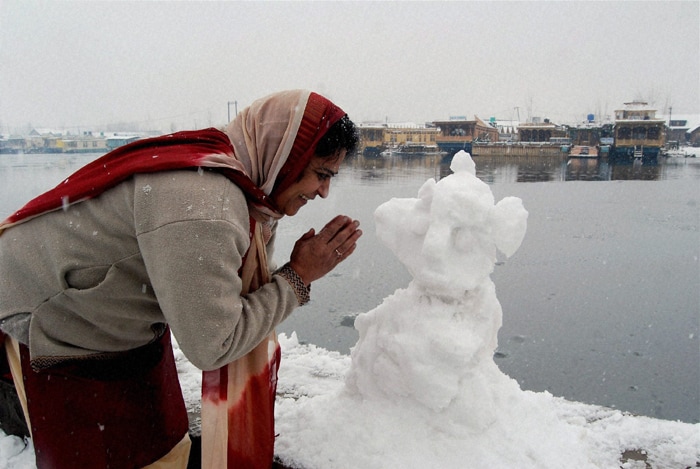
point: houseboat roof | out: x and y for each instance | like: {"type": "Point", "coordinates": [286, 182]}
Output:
{"type": "Point", "coordinates": [681, 121]}
{"type": "Point", "coordinates": [452, 122]}
{"type": "Point", "coordinates": [538, 125]}
{"type": "Point", "coordinates": [637, 110]}
{"type": "Point", "coordinates": [637, 103]}
{"type": "Point", "coordinates": [45, 132]}
{"type": "Point", "coordinates": [392, 125]}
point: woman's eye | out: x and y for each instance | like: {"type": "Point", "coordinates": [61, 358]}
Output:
{"type": "Point", "coordinates": [322, 176]}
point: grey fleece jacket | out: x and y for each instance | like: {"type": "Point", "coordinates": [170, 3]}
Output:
{"type": "Point", "coordinates": [105, 274]}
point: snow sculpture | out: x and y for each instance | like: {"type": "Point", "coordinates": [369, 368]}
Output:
{"type": "Point", "coordinates": [422, 389]}
{"type": "Point", "coordinates": [434, 341]}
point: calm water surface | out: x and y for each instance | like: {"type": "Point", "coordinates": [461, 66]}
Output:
{"type": "Point", "coordinates": [600, 304]}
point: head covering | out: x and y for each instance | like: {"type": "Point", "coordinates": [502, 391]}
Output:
{"type": "Point", "coordinates": [267, 144]}
{"type": "Point", "coordinates": [274, 138]}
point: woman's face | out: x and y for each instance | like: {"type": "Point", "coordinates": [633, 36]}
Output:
{"type": "Point", "coordinates": [315, 180]}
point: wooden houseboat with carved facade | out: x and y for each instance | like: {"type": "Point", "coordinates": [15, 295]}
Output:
{"type": "Point", "coordinates": [638, 133]}
{"type": "Point", "coordinates": [459, 134]}
{"type": "Point", "coordinates": [397, 139]}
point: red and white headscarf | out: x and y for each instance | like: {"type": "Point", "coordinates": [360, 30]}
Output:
{"type": "Point", "coordinates": [266, 146]}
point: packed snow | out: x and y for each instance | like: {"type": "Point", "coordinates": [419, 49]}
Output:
{"type": "Point", "coordinates": [420, 388]}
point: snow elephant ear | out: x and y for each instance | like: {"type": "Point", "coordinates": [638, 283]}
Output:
{"type": "Point", "coordinates": [509, 223]}
{"type": "Point", "coordinates": [426, 191]}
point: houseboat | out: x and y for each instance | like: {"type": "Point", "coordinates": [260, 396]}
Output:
{"type": "Point", "coordinates": [583, 151]}
{"type": "Point", "coordinates": [397, 139]}
{"type": "Point", "coordinates": [371, 139]}
{"type": "Point", "coordinates": [533, 139]}
{"type": "Point", "coordinates": [459, 134]}
{"type": "Point", "coordinates": [538, 132]}
{"type": "Point", "coordinates": [638, 133]}
{"type": "Point", "coordinates": [590, 139]}
{"type": "Point", "coordinates": [412, 148]}
{"type": "Point", "coordinates": [592, 134]}
{"type": "Point", "coordinates": [12, 145]}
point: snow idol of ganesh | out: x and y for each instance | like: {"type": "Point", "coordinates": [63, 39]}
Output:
{"type": "Point", "coordinates": [440, 346]}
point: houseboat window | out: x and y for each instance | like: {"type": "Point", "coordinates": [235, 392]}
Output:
{"type": "Point", "coordinates": [560, 140]}
{"type": "Point", "coordinates": [624, 133]}
{"type": "Point", "coordinates": [639, 133]}
{"type": "Point", "coordinates": [653, 133]}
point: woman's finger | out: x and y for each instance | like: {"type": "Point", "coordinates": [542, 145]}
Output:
{"type": "Point", "coordinates": [334, 226]}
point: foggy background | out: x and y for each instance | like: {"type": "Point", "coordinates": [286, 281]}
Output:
{"type": "Point", "coordinates": [168, 66]}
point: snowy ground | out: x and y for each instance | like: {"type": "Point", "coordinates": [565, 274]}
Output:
{"type": "Point", "coordinates": [613, 439]}
{"type": "Point", "coordinates": [309, 372]}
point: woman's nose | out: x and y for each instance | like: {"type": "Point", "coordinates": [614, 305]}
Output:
{"type": "Point", "coordinates": [324, 188]}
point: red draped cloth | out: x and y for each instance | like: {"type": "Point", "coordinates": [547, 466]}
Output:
{"type": "Point", "coordinates": [124, 412]}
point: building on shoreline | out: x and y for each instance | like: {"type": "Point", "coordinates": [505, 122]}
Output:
{"type": "Point", "coordinates": [397, 138]}
{"type": "Point", "coordinates": [638, 133]}
{"type": "Point", "coordinates": [53, 141]}
{"type": "Point", "coordinates": [458, 133]}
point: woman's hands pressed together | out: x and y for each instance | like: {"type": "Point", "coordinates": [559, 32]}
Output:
{"type": "Point", "coordinates": [314, 255]}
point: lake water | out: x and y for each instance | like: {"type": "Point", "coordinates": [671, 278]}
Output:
{"type": "Point", "coordinates": [601, 304]}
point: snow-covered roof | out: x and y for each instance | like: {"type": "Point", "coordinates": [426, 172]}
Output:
{"type": "Point", "coordinates": [45, 131]}
{"type": "Point", "coordinates": [393, 125]}
{"type": "Point", "coordinates": [692, 120]}
{"type": "Point", "coordinates": [638, 106]}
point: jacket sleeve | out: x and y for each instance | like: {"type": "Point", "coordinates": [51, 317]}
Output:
{"type": "Point", "coordinates": [192, 230]}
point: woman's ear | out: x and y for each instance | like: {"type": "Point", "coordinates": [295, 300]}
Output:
{"type": "Point", "coordinates": [509, 223]}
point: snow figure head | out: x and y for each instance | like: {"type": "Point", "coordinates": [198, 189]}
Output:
{"type": "Point", "coordinates": [448, 236]}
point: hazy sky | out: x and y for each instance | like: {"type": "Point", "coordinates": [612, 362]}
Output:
{"type": "Point", "coordinates": [175, 65]}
